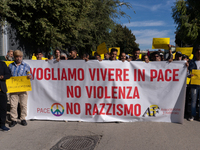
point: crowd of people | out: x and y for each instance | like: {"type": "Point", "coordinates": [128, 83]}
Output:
{"type": "Point", "coordinates": [19, 68]}
{"type": "Point", "coordinates": [71, 54]}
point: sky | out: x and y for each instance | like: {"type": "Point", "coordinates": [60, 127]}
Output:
{"type": "Point", "coordinates": [153, 19]}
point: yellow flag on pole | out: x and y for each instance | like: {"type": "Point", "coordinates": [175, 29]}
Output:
{"type": "Point", "coordinates": [101, 49]}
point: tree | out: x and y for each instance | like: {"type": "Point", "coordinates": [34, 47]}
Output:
{"type": "Point", "coordinates": [124, 38]}
{"type": "Point", "coordinates": [186, 15]}
{"type": "Point", "coordinates": [47, 23]}
{"type": "Point", "coordinates": [60, 23]}
{"type": "Point", "coordinates": [102, 18]}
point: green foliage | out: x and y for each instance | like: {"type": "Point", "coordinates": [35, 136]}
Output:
{"type": "Point", "coordinates": [47, 23]}
{"type": "Point", "coordinates": [186, 15]}
{"type": "Point", "coordinates": [124, 39]}
{"type": "Point", "coordinates": [59, 23]}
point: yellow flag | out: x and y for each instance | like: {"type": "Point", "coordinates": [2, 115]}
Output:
{"type": "Point", "coordinates": [8, 62]}
{"type": "Point", "coordinates": [174, 55]}
{"type": "Point", "coordinates": [102, 56]}
{"type": "Point", "coordinates": [191, 56]}
{"type": "Point", "coordinates": [196, 78]}
{"type": "Point", "coordinates": [101, 49]}
{"type": "Point", "coordinates": [185, 50]}
{"type": "Point", "coordinates": [34, 58]}
{"type": "Point", "coordinates": [93, 53]}
{"type": "Point", "coordinates": [161, 43]}
{"type": "Point", "coordinates": [188, 81]}
{"type": "Point", "coordinates": [118, 50]}
{"type": "Point", "coordinates": [140, 56]}
{"type": "Point", "coordinates": [18, 84]}
{"type": "Point", "coordinates": [43, 58]}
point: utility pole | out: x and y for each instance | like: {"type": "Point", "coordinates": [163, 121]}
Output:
{"type": "Point", "coordinates": [3, 41]}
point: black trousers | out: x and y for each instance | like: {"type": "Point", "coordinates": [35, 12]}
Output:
{"type": "Point", "coordinates": [3, 108]}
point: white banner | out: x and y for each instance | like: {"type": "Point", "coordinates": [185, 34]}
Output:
{"type": "Point", "coordinates": [107, 91]}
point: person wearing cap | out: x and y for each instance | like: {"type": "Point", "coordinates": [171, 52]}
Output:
{"type": "Point", "coordinates": [161, 56]}
{"type": "Point", "coordinates": [195, 89]}
{"type": "Point", "coordinates": [185, 57]}
{"type": "Point", "coordinates": [19, 68]}
{"type": "Point", "coordinates": [178, 56]}
{"type": "Point", "coordinates": [4, 75]}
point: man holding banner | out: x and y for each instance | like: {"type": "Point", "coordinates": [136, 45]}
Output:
{"type": "Point", "coordinates": [178, 56]}
{"type": "Point", "coordinates": [19, 68]}
{"type": "Point", "coordinates": [73, 52]}
{"type": "Point", "coordinates": [113, 54]}
{"type": "Point", "coordinates": [4, 74]}
{"type": "Point", "coordinates": [38, 54]}
{"type": "Point", "coordinates": [136, 54]}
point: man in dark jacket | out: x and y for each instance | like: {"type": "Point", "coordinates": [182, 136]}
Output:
{"type": "Point", "coordinates": [4, 74]}
{"type": "Point", "coordinates": [195, 89]}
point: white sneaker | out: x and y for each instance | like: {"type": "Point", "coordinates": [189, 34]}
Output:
{"type": "Point", "coordinates": [191, 119]}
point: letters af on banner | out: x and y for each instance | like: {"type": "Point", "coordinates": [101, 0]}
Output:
{"type": "Point", "coordinates": [107, 91]}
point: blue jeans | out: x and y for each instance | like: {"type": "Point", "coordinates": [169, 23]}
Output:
{"type": "Point", "coordinates": [194, 93]}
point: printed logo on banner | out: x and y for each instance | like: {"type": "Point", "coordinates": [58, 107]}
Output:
{"type": "Point", "coordinates": [151, 111]}
{"type": "Point", "coordinates": [57, 109]}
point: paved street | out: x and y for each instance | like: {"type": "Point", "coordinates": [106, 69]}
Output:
{"type": "Point", "coordinates": [42, 135]}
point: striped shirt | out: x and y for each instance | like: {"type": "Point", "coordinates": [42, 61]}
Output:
{"type": "Point", "coordinates": [21, 70]}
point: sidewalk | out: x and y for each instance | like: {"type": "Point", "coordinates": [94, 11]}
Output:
{"type": "Point", "coordinates": [43, 135]}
